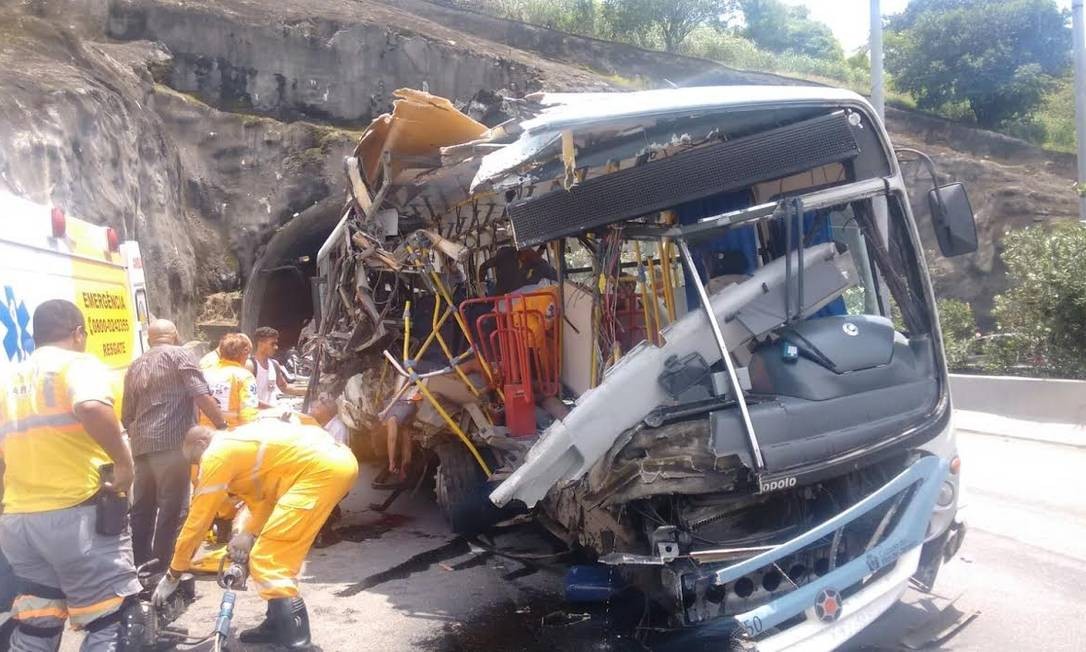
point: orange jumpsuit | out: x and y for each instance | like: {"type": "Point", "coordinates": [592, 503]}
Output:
{"type": "Point", "coordinates": [234, 389]}
{"type": "Point", "coordinates": [289, 476]}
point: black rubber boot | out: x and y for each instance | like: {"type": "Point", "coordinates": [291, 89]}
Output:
{"type": "Point", "coordinates": [262, 633]}
{"type": "Point", "coordinates": [291, 622]}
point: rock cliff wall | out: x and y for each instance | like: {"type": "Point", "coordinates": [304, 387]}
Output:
{"type": "Point", "coordinates": [1011, 184]}
{"type": "Point", "coordinates": [76, 132]}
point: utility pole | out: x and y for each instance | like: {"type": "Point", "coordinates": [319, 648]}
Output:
{"type": "Point", "coordinates": [878, 96]}
{"type": "Point", "coordinates": [1079, 29]}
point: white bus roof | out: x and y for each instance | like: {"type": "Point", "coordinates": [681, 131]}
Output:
{"type": "Point", "coordinates": [576, 109]}
{"type": "Point", "coordinates": [586, 112]}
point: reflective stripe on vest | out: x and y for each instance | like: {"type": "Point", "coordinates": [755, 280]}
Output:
{"type": "Point", "coordinates": [34, 421]}
{"type": "Point", "coordinates": [278, 583]}
{"type": "Point", "coordinates": [212, 489]}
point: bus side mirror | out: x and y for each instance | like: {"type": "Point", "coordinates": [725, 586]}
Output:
{"type": "Point", "coordinates": [952, 217]}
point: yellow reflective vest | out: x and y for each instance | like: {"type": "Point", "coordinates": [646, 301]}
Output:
{"type": "Point", "coordinates": [234, 389]}
{"type": "Point", "coordinates": [51, 461]}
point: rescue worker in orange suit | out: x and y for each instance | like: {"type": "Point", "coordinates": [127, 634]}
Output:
{"type": "Point", "coordinates": [234, 389]}
{"type": "Point", "coordinates": [64, 528]}
{"type": "Point", "coordinates": [290, 477]}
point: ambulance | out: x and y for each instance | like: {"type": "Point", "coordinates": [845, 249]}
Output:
{"type": "Point", "coordinates": [46, 253]}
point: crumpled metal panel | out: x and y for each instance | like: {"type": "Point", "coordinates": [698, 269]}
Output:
{"type": "Point", "coordinates": [419, 126]}
{"type": "Point", "coordinates": [587, 111]}
{"type": "Point", "coordinates": [899, 549]}
{"type": "Point", "coordinates": [630, 390]}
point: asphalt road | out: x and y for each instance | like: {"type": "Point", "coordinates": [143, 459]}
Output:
{"type": "Point", "coordinates": [399, 581]}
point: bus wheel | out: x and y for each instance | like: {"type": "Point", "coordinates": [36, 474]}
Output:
{"type": "Point", "coordinates": [461, 488]}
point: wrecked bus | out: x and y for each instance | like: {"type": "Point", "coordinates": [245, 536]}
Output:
{"type": "Point", "coordinates": [691, 330]}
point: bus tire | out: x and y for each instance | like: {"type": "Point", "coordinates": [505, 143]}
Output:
{"type": "Point", "coordinates": [460, 487]}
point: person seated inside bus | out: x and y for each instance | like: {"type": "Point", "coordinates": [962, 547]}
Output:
{"type": "Point", "coordinates": [399, 415]}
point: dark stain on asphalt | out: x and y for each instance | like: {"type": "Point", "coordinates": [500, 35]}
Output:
{"type": "Point", "coordinates": [544, 623]}
{"type": "Point", "coordinates": [478, 559]}
{"type": "Point", "coordinates": [375, 530]}
{"type": "Point", "coordinates": [415, 564]}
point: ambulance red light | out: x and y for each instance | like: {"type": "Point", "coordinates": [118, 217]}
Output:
{"type": "Point", "coordinates": [113, 239]}
{"type": "Point", "coordinates": [60, 222]}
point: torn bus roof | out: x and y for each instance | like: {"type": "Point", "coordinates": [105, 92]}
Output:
{"type": "Point", "coordinates": [418, 127]}
{"type": "Point", "coordinates": [564, 110]}
{"type": "Point", "coordinates": [595, 111]}
{"type": "Point", "coordinates": [450, 171]}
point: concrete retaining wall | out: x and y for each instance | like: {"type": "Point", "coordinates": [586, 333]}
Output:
{"type": "Point", "coordinates": [1030, 399]}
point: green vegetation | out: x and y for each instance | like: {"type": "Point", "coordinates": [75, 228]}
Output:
{"type": "Point", "coordinates": [1002, 64]}
{"type": "Point", "coordinates": [1056, 116]}
{"type": "Point", "coordinates": [959, 328]}
{"type": "Point", "coordinates": [573, 16]}
{"type": "Point", "coordinates": [667, 22]}
{"type": "Point", "coordinates": [999, 58]}
{"type": "Point", "coordinates": [740, 52]}
{"type": "Point", "coordinates": [994, 63]}
{"type": "Point", "coordinates": [777, 27]}
{"type": "Point", "coordinates": [1041, 317]}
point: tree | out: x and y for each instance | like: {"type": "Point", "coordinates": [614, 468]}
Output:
{"type": "Point", "coordinates": [1057, 115]}
{"type": "Point", "coordinates": [778, 27]}
{"type": "Point", "coordinates": [671, 21]}
{"type": "Point", "coordinates": [959, 328]}
{"type": "Point", "coordinates": [1043, 314]}
{"type": "Point", "coordinates": [998, 57]}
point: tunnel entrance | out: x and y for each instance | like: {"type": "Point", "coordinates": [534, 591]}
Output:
{"type": "Point", "coordinates": [288, 303]}
{"type": "Point", "coordinates": [279, 291]}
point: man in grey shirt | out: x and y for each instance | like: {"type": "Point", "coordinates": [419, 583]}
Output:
{"type": "Point", "coordinates": [162, 389]}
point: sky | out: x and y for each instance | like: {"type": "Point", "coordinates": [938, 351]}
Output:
{"type": "Point", "coordinates": [849, 18]}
